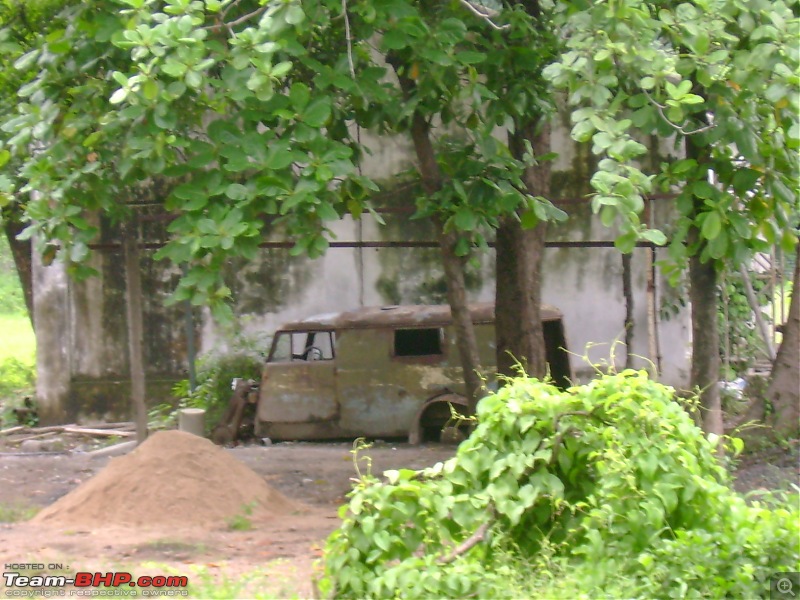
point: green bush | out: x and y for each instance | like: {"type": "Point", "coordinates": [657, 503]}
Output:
{"type": "Point", "coordinates": [17, 378]}
{"type": "Point", "coordinates": [607, 489]}
{"type": "Point", "coordinates": [215, 372]}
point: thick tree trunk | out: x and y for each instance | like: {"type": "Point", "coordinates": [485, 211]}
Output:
{"type": "Point", "coordinates": [705, 339]}
{"type": "Point", "coordinates": [133, 297]}
{"type": "Point", "coordinates": [23, 259]}
{"type": "Point", "coordinates": [518, 322]}
{"type": "Point", "coordinates": [783, 392]}
{"type": "Point", "coordinates": [519, 257]}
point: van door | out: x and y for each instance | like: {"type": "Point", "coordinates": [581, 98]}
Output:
{"type": "Point", "coordinates": [299, 380]}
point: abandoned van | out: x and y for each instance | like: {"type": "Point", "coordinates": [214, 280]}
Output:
{"type": "Point", "coordinates": [387, 372]}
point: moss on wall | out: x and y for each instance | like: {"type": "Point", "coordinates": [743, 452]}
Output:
{"type": "Point", "coordinates": [415, 275]}
{"type": "Point", "coordinates": [109, 399]}
{"type": "Point", "coordinates": [270, 283]}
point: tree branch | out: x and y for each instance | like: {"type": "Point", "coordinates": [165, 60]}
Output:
{"type": "Point", "coordinates": [349, 40]}
{"type": "Point", "coordinates": [235, 22]}
{"type": "Point", "coordinates": [486, 16]}
{"type": "Point", "coordinates": [470, 542]}
{"type": "Point", "coordinates": [678, 128]}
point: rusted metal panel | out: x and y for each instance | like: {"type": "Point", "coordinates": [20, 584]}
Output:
{"type": "Point", "coordinates": [298, 392]}
{"type": "Point", "coordinates": [401, 316]}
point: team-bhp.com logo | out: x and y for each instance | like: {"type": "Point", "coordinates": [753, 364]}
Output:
{"type": "Point", "coordinates": [88, 584]}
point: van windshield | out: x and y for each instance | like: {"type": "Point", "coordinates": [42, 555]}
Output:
{"type": "Point", "coordinates": [302, 346]}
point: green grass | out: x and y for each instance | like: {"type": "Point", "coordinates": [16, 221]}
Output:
{"type": "Point", "coordinates": [18, 339]}
{"type": "Point", "coordinates": [14, 513]}
{"type": "Point", "coordinates": [17, 362]}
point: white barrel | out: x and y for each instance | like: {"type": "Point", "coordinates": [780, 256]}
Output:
{"type": "Point", "coordinates": [192, 420]}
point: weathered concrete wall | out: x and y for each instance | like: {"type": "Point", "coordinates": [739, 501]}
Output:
{"type": "Point", "coordinates": [82, 335]}
{"type": "Point", "coordinates": [82, 342]}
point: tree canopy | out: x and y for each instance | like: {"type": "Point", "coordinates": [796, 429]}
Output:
{"type": "Point", "coordinates": [244, 113]}
{"type": "Point", "coordinates": [719, 79]}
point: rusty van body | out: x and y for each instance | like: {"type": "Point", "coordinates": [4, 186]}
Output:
{"type": "Point", "coordinates": [383, 372]}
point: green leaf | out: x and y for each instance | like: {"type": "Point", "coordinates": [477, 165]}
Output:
{"type": "Point", "coordinates": [317, 113]}
{"type": "Point", "coordinates": [465, 219]}
{"type": "Point", "coordinates": [295, 14]}
{"type": "Point", "coordinates": [278, 157]}
{"type": "Point", "coordinates": [654, 236]}
{"type": "Point", "coordinates": [396, 39]}
{"type": "Point", "coordinates": [281, 69]}
{"type": "Point", "coordinates": [745, 180]}
{"type": "Point", "coordinates": [26, 61]}
{"type": "Point", "coordinates": [692, 99]}
{"type": "Point", "coordinates": [119, 96]}
{"type": "Point", "coordinates": [704, 190]}
{"type": "Point", "coordinates": [528, 219]}
{"type": "Point", "coordinates": [718, 247]}
{"type": "Point", "coordinates": [746, 144]}
{"type": "Point", "coordinates": [326, 212]}
{"type": "Point", "coordinates": [236, 191]}
{"type": "Point", "coordinates": [712, 225]}
{"type": "Point", "coordinates": [299, 96]}
{"type": "Point", "coordinates": [626, 243]}
{"type": "Point", "coordinates": [193, 79]}
{"type": "Point", "coordinates": [468, 57]}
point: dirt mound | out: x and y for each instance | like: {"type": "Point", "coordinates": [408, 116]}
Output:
{"type": "Point", "coordinates": [173, 478]}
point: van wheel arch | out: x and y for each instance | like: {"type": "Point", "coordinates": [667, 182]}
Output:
{"type": "Point", "coordinates": [432, 408]}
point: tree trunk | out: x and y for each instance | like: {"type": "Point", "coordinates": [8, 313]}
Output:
{"type": "Point", "coordinates": [705, 338]}
{"type": "Point", "coordinates": [627, 292]}
{"type": "Point", "coordinates": [22, 252]}
{"type": "Point", "coordinates": [705, 334]}
{"type": "Point", "coordinates": [519, 256]}
{"type": "Point", "coordinates": [518, 321]}
{"type": "Point", "coordinates": [783, 392]}
{"type": "Point", "coordinates": [133, 297]}
{"type": "Point", "coordinates": [462, 319]}
{"type": "Point", "coordinates": [453, 266]}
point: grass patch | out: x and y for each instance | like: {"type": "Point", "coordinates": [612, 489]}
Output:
{"type": "Point", "coordinates": [242, 520]}
{"type": "Point", "coordinates": [14, 513]}
{"type": "Point", "coordinates": [19, 342]}
{"type": "Point", "coordinates": [213, 584]}
{"type": "Point", "coordinates": [17, 362]}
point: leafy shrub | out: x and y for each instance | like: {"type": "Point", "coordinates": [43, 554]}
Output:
{"type": "Point", "coordinates": [17, 377]}
{"type": "Point", "coordinates": [605, 489]}
{"type": "Point", "coordinates": [215, 372]}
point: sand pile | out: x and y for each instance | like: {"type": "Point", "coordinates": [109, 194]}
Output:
{"type": "Point", "coordinates": [173, 478]}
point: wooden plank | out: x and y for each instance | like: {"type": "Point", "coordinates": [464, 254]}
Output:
{"type": "Point", "coordinates": [98, 432]}
{"type": "Point", "coordinates": [38, 436]}
{"type": "Point", "coordinates": [11, 430]}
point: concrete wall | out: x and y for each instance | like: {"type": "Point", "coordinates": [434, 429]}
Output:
{"type": "Point", "coordinates": [81, 332]}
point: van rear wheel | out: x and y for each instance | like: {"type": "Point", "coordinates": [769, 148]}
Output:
{"type": "Point", "coordinates": [435, 421]}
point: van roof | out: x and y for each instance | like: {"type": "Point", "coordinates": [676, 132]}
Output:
{"type": "Point", "coordinates": [411, 316]}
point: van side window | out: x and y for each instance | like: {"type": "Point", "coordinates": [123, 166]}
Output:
{"type": "Point", "coordinates": [418, 342]}
{"type": "Point", "coordinates": [303, 346]}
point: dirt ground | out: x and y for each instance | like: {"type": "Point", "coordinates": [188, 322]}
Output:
{"type": "Point", "coordinates": [277, 553]}
{"type": "Point", "coordinates": [276, 556]}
